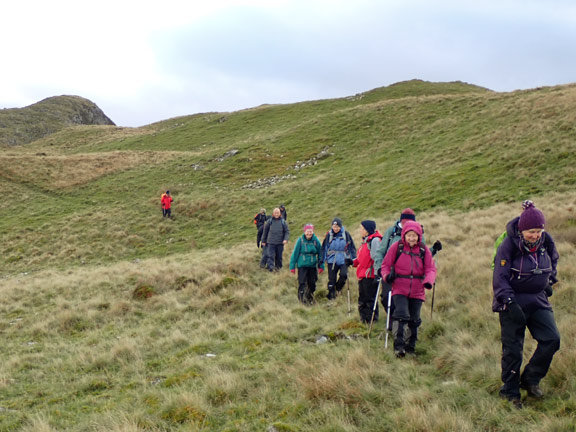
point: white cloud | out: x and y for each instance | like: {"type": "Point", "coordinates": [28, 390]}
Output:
{"type": "Point", "coordinates": [144, 61]}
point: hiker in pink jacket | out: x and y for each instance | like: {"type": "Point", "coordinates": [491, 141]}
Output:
{"type": "Point", "coordinates": [408, 266]}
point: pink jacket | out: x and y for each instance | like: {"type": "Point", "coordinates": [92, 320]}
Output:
{"type": "Point", "coordinates": [412, 272]}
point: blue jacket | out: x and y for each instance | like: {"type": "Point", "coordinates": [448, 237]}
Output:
{"type": "Point", "coordinates": [337, 247]}
{"type": "Point", "coordinates": [523, 276]}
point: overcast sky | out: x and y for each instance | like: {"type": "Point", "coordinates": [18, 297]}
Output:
{"type": "Point", "coordinates": [144, 61]}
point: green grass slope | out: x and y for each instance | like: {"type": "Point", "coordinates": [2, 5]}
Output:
{"type": "Point", "coordinates": [207, 341]}
{"type": "Point", "coordinates": [91, 194]}
{"type": "Point", "coordinates": [20, 126]}
{"type": "Point", "coordinates": [115, 319]}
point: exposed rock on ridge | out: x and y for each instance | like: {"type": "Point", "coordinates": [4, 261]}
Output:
{"type": "Point", "coordinates": [23, 125]}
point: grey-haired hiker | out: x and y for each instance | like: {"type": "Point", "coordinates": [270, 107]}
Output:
{"type": "Point", "coordinates": [275, 236]}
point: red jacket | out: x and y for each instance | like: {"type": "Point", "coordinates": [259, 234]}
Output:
{"type": "Point", "coordinates": [412, 272]}
{"type": "Point", "coordinates": [166, 201]}
{"type": "Point", "coordinates": [365, 263]}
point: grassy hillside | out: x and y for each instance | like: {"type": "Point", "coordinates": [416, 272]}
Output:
{"type": "Point", "coordinates": [91, 194]}
{"type": "Point", "coordinates": [115, 319]}
{"type": "Point", "coordinates": [208, 341]}
{"type": "Point", "coordinates": [23, 125]}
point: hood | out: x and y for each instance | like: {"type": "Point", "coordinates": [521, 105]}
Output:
{"type": "Point", "coordinates": [512, 228]}
{"type": "Point", "coordinates": [412, 226]}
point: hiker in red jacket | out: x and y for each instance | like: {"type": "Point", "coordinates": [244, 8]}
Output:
{"type": "Point", "coordinates": [408, 266]}
{"type": "Point", "coordinates": [365, 272]}
{"type": "Point", "coordinates": [166, 201]}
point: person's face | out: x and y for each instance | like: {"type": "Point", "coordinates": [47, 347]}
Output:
{"type": "Point", "coordinates": [411, 238]}
{"type": "Point", "coordinates": [532, 235]}
{"type": "Point", "coordinates": [309, 233]}
{"type": "Point", "coordinates": [336, 228]}
{"type": "Point", "coordinates": [276, 213]}
{"type": "Point", "coordinates": [363, 231]}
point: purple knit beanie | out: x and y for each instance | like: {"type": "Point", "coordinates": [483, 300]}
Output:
{"type": "Point", "coordinates": [531, 217]}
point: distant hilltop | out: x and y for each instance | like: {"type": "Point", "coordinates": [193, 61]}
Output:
{"type": "Point", "coordinates": [20, 126]}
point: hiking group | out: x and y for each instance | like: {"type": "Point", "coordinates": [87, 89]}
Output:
{"type": "Point", "coordinates": [400, 263]}
{"type": "Point", "coordinates": [398, 268]}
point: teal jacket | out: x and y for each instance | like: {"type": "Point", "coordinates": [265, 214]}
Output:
{"type": "Point", "coordinates": [307, 253]}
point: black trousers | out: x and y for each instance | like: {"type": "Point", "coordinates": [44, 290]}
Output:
{"type": "Point", "coordinates": [307, 277]}
{"type": "Point", "coordinates": [275, 256]}
{"type": "Point", "coordinates": [542, 327]}
{"type": "Point", "coordinates": [406, 312]}
{"type": "Point", "coordinates": [264, 258]}
{"type": "Point", "coordinates": [337, 276]}
{"type": "Point", "coordinates": [367, 289]}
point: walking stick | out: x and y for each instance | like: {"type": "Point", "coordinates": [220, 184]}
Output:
{"type": "Point", "coordinates": [348, 284]}
{"type": "Point", "coordinates": [375, 306]}
{"type": "Point", "coordinates": [388, 317]}
{"type": "Point", "coordinates": [433, 290]}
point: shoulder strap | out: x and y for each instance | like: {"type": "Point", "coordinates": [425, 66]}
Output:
{"type": "Point", "coordinates": [400, 249]}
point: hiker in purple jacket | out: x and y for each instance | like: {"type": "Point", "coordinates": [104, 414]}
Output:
{"type": "Point", "coordinates": [524, 272]}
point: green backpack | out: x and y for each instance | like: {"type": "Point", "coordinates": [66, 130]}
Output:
{"type": "Point", "coordinates": [499, 240]}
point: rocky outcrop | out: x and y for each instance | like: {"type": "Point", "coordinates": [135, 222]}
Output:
{"type": "Point", "coordinates": [20, 126]}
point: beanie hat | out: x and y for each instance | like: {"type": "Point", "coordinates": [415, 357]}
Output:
{"type": "Point", "coordinates": [531, 217]}
{"type": "Point", "coordinates": [337, 221]}
{"type": "Point", "coordinates": [408, 213]}
{"type": "Point", "coordinates": [369, 225]}
{"type": "Point", "coordinates": [308, 226]}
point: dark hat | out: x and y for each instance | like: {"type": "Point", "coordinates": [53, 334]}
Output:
{"type": "Point", "coordinates": [369, 225]}
{"type": "Point", "coordinates": [408, 213]}
{"type": "Point", "coordinates": [168, 192]}
{"type": "Point", "coordinates": [531, 217]}
{"type": "Point", "coordinates": [337, 221]}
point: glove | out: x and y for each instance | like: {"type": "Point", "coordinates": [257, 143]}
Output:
{"type": "Point", "coordinates": [389, 279]}
{"type": "Point", "coordinates": [427, 285]}
{"type": "Point", "coordinates": [320, 270]}
{"type": "Point", "coordinates": [379, 273]}
{"type": "Point", "coordinates": [293, 271]}
{"type": "Point", "coordinates": [549, 291]}
{"type": "Point", "coordinates": [516, 313]}
{"type": "Point", "coordinates": [437, 246]}
{"type": "Point", "coordinates": [348, 261]}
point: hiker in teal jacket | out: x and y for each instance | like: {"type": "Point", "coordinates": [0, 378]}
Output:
{"type": "Point", "coordinates": [307, 257]}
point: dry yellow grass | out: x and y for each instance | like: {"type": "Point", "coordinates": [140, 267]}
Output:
{"type": "Point", "coordinates": [61, 172]}
{"type": "Point", "coordinates": [84, 327]}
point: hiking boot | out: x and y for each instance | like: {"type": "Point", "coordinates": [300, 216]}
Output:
{"type": "Point", "coordinates": [411, 351]}
{"type": "Point", "coordinates": [515, 401]}
{"type": "Point", "coordinates": [400, 352]}
{"type": "Point", "coordinates": [331, 295]}
{"type": "Point", "coordinates": [533, 390]}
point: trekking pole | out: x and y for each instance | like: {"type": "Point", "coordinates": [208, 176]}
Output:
{"type": "Point", "coordinates": [388, 317]}
{"type": "Point", "coordinates": [433, 290]}
{"type": "Point", "coordinates": [348, 284]}
{"type": "Point", "coordinates": [375, 306]}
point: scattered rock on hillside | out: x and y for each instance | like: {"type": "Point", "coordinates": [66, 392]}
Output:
{"type": "Point", "coordinates": [323, 154]}
{"type": "Point", "coordinates": [270, 181]}
{"type": "Point", "coordinates": [228, 154]}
